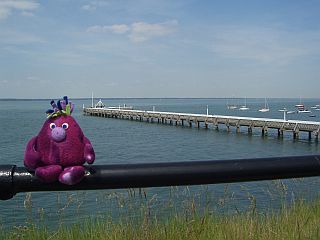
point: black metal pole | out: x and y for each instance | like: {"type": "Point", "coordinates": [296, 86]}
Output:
{"type": "Point", "coordinates": [15, 179]}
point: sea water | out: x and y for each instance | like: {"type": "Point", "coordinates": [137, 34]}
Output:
{"type": "Point", "coordinates": [124, 141]}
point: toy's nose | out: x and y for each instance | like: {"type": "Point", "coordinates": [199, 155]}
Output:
{"type": "Point", "coordinates": [58, 134]}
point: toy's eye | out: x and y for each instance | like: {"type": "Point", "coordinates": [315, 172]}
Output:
{"type": "Point", "coordinates": [65, 125]}
{"type": "Point", "coordinates": [52, 125]}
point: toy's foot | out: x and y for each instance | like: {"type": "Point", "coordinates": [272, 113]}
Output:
{"type": "Point", "coordinates": [72, 175]}
{"type": "Point", "coordinates": [49, 173]}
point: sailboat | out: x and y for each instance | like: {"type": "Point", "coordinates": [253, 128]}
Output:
{"type": "Point", "coordinates": [231, 106]}
{"type": "Point", "coordinates": [266, 107]}
{"type": "Point", "coordinates": [300, 105]}
{"type": "Point", "coordinates": [244, 107]}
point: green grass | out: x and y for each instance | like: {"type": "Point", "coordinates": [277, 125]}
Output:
{"type": "Point", "coordinates": [300, 221]}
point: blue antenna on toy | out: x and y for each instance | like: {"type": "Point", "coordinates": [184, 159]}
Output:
{"type": "Point", "coordinates": [65, 98]}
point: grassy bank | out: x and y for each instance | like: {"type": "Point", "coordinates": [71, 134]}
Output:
{"type": "Point", "coordinates": [300, 221]}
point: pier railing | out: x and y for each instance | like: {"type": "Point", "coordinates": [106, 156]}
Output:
{"type": "Point", "coordinates": [281, 125]}
{"type": "Point", "coordinates": [14, 179]}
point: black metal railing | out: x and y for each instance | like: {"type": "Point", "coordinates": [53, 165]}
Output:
{"type": "Point", "coordinates": [14, 179]}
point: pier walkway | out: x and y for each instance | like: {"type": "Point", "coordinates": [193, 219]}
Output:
{"type": "Point", "coordinates": [198, 120]}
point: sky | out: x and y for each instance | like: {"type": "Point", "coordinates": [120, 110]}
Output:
{"type": "Point", "coordinates": [159, 48]}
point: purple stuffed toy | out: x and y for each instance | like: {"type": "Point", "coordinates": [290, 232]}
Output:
{"type": "Point", "coordinates": [60, 149]}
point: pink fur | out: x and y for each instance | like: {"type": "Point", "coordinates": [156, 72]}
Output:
{"type": "Point", "coordinates": [58, 145]}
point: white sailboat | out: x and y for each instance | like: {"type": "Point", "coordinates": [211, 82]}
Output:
{"type": "Point", "coordinates": [266, 107]}
{"type": "Point", "coordinates": [231, 106]}
{"type": "Point", "coordinates": [244, 107]}
{"type": "Point", "coordinates": [304, 111]}
{"type": "Point", "coordinates": [291, 112]}
{"type": "Point", "coordinates": [300, 105]}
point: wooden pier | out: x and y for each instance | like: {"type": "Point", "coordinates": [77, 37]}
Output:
{"type": "Point", "coordinates": [199, 120]}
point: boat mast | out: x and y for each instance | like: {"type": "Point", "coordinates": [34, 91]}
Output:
{"type": "Point", "coordinates": [92, 99]}
{"type": "Point", "coordinates": [266, 106]}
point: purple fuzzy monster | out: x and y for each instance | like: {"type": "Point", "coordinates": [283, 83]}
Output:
{"type": "Point", "coordinates": [60, 149]}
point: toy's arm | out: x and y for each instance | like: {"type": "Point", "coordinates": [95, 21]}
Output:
{"type": "Point", "coordinates": [89, 155]}
{"type": "Point", "coordinates": [31, 156]}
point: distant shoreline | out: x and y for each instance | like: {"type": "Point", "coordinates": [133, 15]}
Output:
{"type": "Point", "coordinates": [116, 98]}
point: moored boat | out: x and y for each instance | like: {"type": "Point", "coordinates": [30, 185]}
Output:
{"type": "Point", "coordinates": [304, 111]}
{"type": "Point", "coordinates": [300, 105]}
{"type": "Point", "coordinates": [244, 107]}
{"type": "Point", "coordinates": [266, 107]}
{"type": "Point", "coordinates": [231, 107]}
{"type": "Point", "coordinates": [291, 112]}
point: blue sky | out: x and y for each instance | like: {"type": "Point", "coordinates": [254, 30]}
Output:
{"type": "Point", "coordinates": [159, 48]}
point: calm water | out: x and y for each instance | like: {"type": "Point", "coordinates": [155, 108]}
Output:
{"type": "Point", "coordinates": [121, 141]}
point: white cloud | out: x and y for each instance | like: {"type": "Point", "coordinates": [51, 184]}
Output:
{"type": "Point", "coordinates": [122, 28]}
{"type": "Point", "coordinates": [88, 7]}
{"type": "Point", "coordinates": [8, 6]}
{"type": "Point", "coordinates": [93, 5]}
{"type": "Point", "coordinates": [141, 31]}
{"type": "Point", "coordinates": [117, 28]}
{"type": "Point", "coordinates": [138, 31]}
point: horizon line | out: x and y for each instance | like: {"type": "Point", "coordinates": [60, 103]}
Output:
{"type": "Point", "coordinates": [85, 98]}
